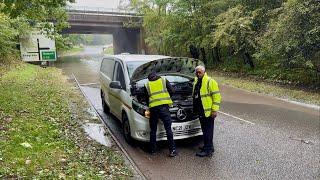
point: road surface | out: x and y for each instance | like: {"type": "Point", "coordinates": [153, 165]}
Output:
{"type": "Point", "coordinates": [255, 136]}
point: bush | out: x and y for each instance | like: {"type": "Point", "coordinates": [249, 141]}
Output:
{"type": "Point", "coordinates": [7, 38]}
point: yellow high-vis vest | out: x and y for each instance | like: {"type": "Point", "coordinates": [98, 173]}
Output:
{"type": "Point", "coordinates": [210, 94]}
{"type": "Point", "coordinates": [158, 93]}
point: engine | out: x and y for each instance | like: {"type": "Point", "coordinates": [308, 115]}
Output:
{"type": "Point", "coordinates": [182, 109]}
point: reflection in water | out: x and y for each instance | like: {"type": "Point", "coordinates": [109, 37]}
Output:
{"type": "Point", "coordinates": [84, 66]}
{"type": "Point", "coordinates": [97, 133]}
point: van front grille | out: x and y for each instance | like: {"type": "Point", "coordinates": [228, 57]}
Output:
{"type": "Point", "coordinates": [184, 108]}
{"type": "Point", "coordinates": [180, 133]}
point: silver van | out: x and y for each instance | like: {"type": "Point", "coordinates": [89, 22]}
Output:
{"type": "Point", "coordinates": [122, 79]}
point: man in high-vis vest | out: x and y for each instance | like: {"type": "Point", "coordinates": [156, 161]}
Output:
{"type": "Point", "coordinates": [206, 103]}
{"type": "Point", "coordinates": [159, 90]}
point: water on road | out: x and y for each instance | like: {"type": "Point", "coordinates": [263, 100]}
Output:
{"type": "Point", "coordinates": [85, 65]}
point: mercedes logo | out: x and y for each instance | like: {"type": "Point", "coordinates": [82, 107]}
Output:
{"type": "Point", "coordinates": [181, 114]}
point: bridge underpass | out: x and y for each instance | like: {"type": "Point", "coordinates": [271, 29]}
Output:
{"type": "Point", "coordinates": [109, 21]}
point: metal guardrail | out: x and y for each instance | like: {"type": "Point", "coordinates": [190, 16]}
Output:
{"type": "Point", "coordinates": [100, 10]}
{"type": "Point", "coordinates": [105, 16]}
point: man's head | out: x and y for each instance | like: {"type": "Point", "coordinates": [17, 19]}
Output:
{"type": "Point", "coordinates": [200, 70]}
{"type": "Point", "coordinates": [152, 75]}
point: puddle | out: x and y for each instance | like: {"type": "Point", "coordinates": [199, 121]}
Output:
{"type": "Point", "coordinates": [92, 113]}
{"type": "Point", "coordinates": [97, 133]}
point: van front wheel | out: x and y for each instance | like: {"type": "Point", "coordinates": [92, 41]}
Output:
{"type": "Point", "coordinates": [126, 130]}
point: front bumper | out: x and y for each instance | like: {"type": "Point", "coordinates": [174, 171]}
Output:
{"type": "Point", "coordinates": [140, 128]}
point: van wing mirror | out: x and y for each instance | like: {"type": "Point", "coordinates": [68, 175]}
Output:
{"type": "Point", "coordinates": [115, 85]}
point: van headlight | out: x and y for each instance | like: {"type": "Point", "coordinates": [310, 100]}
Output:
{"type": "Point", "coordinates": [147, 113]}
{"type": "Point", "coordinates": [141, 109]}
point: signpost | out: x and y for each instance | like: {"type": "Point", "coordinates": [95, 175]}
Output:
{"type": "Point", "coordinates": [37, 47]}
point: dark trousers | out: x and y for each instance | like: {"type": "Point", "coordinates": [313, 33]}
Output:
{"type": "Point", "coordinates": [163, 113]}
{"type": "Point", "coordinates": [207, 126]}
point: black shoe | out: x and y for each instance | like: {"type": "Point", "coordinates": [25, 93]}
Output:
{"type": "Point", "coordinates": [204, 154]}
{"type": "Point", "coordinates": [201, 148]}
{"type": "Point", "coordinates": [152, 152]}
{"type": "Point", "coordinates": [173, 153]}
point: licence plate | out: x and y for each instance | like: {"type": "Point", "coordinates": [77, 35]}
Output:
{"type": "Point", "coordinates": [181, 128]}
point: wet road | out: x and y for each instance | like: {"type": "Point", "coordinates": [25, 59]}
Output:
{"type": "Point", "coordinates": [84, 66]}
{"type": "Point", "coordinates": [256, 137]}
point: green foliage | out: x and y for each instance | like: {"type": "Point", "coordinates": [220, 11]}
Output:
{"type": "Point", "coordinates": [294, 36]}
{"type": "Point", "coordinates": [255, 85]}
{"type": "Point", "coordinates": [18, 17]}
{"type": "Point", "coordinates": [234, 28]}
{"type": "Point", "coordinates": [7, 37]}
{"type": "Point", "coordinates": [108, 50]}
{"type": "Point", "coordinates": [37, 11]}
{"type": "Point", "coordinates": [277, 40]}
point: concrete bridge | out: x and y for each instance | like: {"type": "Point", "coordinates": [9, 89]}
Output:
{"type": "Point", "coordinates": [125, 26]}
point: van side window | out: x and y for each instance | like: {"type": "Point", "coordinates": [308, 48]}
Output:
{"type": "Point", "coordinates": [119, 76]}
{"type": "Point", "coordinates": [107, 67]}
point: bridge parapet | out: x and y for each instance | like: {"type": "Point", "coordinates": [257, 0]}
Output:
{"type": "Point", "coordinates": [100, 10]}
{"type": "Point", "coordinates": [124, 25]}
{"type": "Point", "coordinates": [102, 16]}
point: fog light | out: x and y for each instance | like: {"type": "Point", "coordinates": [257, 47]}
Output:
{"type": "Point", "coordinates": [142, 133]}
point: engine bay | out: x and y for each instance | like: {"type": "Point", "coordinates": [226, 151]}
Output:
{"type": "Point", "coordinates": [182, 109]}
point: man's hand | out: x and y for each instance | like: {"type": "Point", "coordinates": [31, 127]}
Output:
{"type": "Point", "coordinates": [214, 114]}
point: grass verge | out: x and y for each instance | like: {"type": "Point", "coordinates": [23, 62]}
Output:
{"type": "Point", "coordinates": [108, 50]}
{"type": "Point", "coordinates": [41, 115]}
{"type": "Point", "coordinates": [309, 97]}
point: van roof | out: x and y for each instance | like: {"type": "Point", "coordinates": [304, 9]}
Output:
{"type": "Point", "coordinates": [137, 57]}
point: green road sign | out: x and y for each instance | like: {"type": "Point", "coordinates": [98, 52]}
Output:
{"type": "Point", "coordinates": [48, 55]}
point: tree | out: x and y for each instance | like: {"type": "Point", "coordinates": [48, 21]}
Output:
{"type": "Point", "coordinates": [19, 16]}
{"type": "Point", "coordinates": [7, 35]}
{"type": "Point", "coordinates": [234, 29]}
{"type": "Point", "coordinates": [294, 36]}
{"type": "Point", "coordinates": [265, 34]}
{"type": "Point", "coordinates": [38, 12]}
{"type": "Point", "coordinates": [176, 27]}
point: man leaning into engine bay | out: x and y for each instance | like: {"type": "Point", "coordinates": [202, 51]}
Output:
{"type": "Point", "coordinates": [159, 91]}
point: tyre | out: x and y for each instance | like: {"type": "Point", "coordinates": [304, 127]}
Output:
{"type": "Point", "coordinates": [126, 130]}
{"type": "Point", "coordinates": [105, 107]}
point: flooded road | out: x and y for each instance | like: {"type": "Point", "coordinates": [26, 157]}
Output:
{"type": "Point", "coordinates": [85, 65]}
{"type": "Point", "coordinates": [271, 146]}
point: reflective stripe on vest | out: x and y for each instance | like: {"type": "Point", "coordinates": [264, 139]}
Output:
{"type": "Point", "coordinates": [207, 94]}
{"type": "Point", "coordinates": [158, 94]}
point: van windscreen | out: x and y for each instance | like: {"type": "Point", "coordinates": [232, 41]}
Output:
{"type": "Point", "coordinates": [132, 66]}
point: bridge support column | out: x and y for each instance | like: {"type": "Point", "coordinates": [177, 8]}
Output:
{"type": "Point", "coordinates": [127, 41]}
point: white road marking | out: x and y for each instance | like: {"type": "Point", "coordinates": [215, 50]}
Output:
{"type": "Point", "coordinates": [236, 117]}
{"type": "Point", "coordinates": [313, 106]}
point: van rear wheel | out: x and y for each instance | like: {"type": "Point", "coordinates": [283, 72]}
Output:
{"type": "Point", "coordinates": [105, 107]}
{"type": "Point", "coordinates": [127, 130]}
